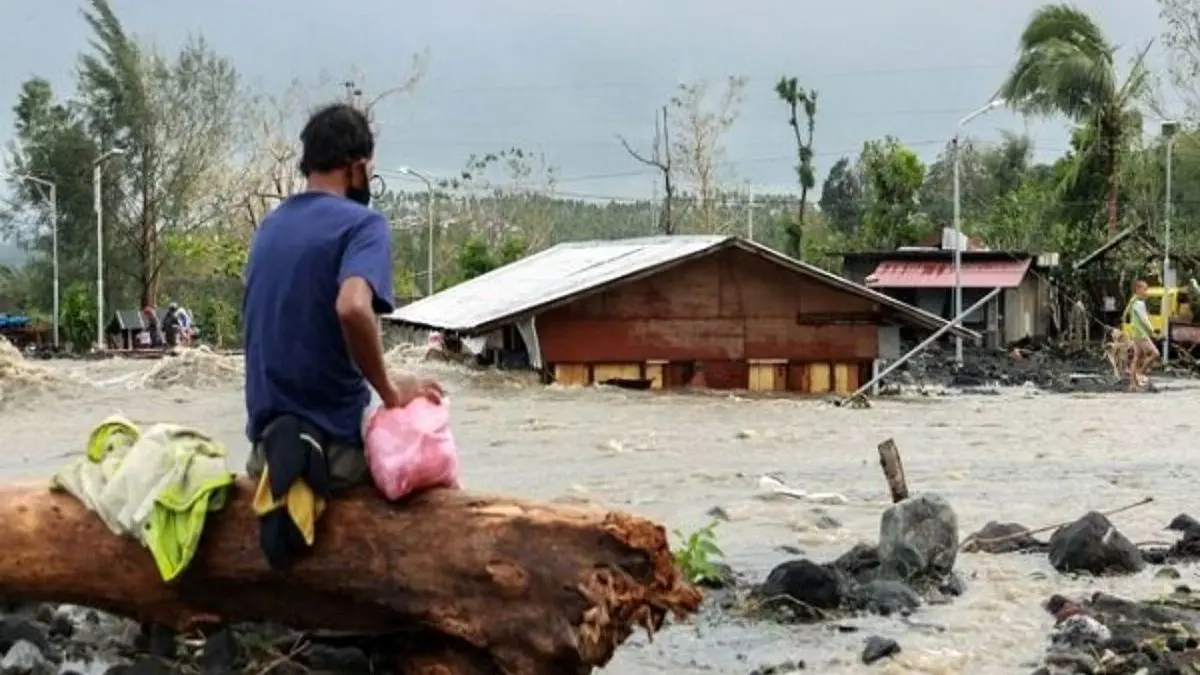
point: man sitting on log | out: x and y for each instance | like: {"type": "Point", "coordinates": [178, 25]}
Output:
{"type": "Point", "coordinates": [319, 273]}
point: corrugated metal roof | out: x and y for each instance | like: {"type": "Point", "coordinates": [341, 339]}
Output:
{"type": "Point", "coordinates": [928, 274]}
{"type": "Point", "coordinates": [548, 276]}
{"type": "Point", "coordinates": [570, 269]}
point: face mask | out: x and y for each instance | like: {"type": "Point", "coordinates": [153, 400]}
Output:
{"type": "Point", "coordinates": [362, 195]}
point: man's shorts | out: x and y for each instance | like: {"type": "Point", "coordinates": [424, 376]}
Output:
{"type": "Point", "coordinates": [1145, 348]}
{"type": "Point", "coordinates": [347, 465]}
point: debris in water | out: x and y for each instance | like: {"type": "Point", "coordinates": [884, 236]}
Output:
{"type": "Point", "coordinates": [19, 375]}
{"type": "Point", "coordinates": [194, 368]}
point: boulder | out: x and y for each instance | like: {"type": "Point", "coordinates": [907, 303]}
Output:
{"type": "Point", "coordinates": [918, 537]}
{"type": "Point", "coordinates": [25, 658]}
{"type": "Point", "coordinates": [1184, 523]}
{"type": "Point", "coordinates": [804, 582]}
{"type": "Point", "coordinates": [885, 597]}
{"type": "Point", "coordinates": [1092, 544]}
{"type": "Point", "coordinates": [877, 648]}
{"type": "Point", "coordinates": [997, 537]}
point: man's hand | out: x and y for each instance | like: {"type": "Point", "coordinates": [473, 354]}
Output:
{"type": "Point", "coordinates": [408, 388]}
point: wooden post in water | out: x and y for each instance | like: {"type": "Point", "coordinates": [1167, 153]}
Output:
{"type": "Point", "coordinates": [893, 470]}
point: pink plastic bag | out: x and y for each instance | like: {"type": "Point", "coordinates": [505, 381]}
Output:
{"type": "Point", "coordinates": [411, 448]}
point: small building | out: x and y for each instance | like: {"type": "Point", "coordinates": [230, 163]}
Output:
{"type": "Point", "coordinates": [126, 325]}
{"type": "Point", "coordinates": [924, 276]}
{"type": "Point", "coordinates": [670, 311]}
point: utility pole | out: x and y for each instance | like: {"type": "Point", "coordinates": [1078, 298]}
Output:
{"type": "Point", "coordinates": [654, 215]}
{"type": "Point", "coordinates": [409, 171]}
{"type": "Point", "coordinates": [53, 190]}
{"type": "Point", "coordinates": [958, 237]}
{"type": "Point", "coordinates": [1168, 277]}
{"type": "Point", "coordinates": [98, 207]}
{"type": "Point", "coordinates": [750, 214]}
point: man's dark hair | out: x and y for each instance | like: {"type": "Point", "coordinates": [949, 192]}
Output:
{"type": "Point", "coordinates": [335, 136]}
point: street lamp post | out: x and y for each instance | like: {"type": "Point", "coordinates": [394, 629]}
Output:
{"type": "Point", "coordinates": [1168, 131]}
{"type": "Point", "coordinates": [98, 207]}
{"type": "Point", "coordinates": [53, 194]}
{"type": "Point", "coordinates": [992, 105]}
{"type": "Point", "coordinates": [409, 171]}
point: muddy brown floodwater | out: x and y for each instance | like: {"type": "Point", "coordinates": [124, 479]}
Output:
{"type": "Point", "coordinates": [1021, 456]}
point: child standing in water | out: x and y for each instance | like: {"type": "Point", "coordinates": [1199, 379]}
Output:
{"type": "Point", "coordinates": [1145, 352]}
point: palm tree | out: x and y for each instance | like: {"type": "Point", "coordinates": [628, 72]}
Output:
{"type": "Point", "coordinates": [1066, 67]}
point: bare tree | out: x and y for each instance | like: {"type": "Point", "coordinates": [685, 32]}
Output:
{"type": "Point", "coordinates": [1182, 38]}
{"type": "Point", "coordinates": [798, 98]}
{"type": "Point", "coordinates": [660, 158]}
{"type": "Point", "coordinates": [701, 121]}
{"type": "Point", "coordinates": [271, 172]}
{"type": "Point", "coordinates": [370, 102]}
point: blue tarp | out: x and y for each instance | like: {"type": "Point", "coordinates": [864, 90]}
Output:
{"type": "Point", "coordinates": [14, 321]}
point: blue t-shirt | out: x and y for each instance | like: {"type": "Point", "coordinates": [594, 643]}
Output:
{"type": "Point", "coordinates": [297, 361]}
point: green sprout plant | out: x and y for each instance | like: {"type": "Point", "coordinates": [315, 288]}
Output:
{"type": "Point", "coordinates": [697, 556]}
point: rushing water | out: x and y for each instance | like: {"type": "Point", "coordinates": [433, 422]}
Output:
{"type": "Point", "coordinates": [1017, 456]}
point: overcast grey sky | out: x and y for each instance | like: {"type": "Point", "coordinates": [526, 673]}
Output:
{"type": "Point", "coordinates": [563, 77]}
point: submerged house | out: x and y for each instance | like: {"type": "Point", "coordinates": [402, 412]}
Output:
{"type": "Point", "coordinates": [924, 276]}
{"type": "Point", "coordinates": [671, 310]}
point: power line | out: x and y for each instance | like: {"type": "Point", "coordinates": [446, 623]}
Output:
{"type": "Point", "coordinates": [635, 173]}
{"type": "Point", "coordinates": [647, 84]}
{"type": "Point", "coordinates": [593, 119]}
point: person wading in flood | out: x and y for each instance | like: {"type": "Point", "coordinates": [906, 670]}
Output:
{"type": "Point", "coordinates": [1145, 352]}
{"type": "Point", "coordinates": [318, 275]}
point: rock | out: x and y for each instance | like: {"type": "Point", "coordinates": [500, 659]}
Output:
{"type": "Point", "coordinates": [1167, 573]}
{"type": "Point", "coordinates": [157, 640]}
{"type": "Point", "coordinates": [89, 625]}
{"type": "Point", "coordinates": [25, 658]}
{"type": "Point", "coordinates": [1081, 631]}
{"type": "Point", "coordinates": [1184, 523]}
{"type": "Point", "coordinates": [953, 585]}
{"type": "Point", "coordinates": [726, 577]}
{"type": "Point", "coordinates": [918, 537]}
{"type": "Point", "coordinates": [859, 563]}
{"type": "Point", "coordinates": [803, 581]}
{"type": "Point", "coordinates": [61, 627]}
{"type": "Point", "coordinates": [827, 522]}
{"type": "Point", "coordinates": [718, 513]}
{"type": "Point", "coordinates": [885, 597]}
{"type": "Point", "coordinates": [779, 668]}
{"type": "Point", "coordinates": [220, 653]}
{"type": "Point", "coordinates": [146, 665]}
{"type": "Point", "coordinates": [14, 629]}
{"type": "Point", "coordinates": [329, 658]}
{"type": "Point", "coordinates": [879, 648]}
{"type": "Point", "coordinates": [1092, 544]}
{"type": "Point", "coordinates": [1062, 660]}
{"type": "Point", "coordinates": [997, 537]}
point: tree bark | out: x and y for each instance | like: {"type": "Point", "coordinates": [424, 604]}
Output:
{"type": "Point", "coordinates": [893, 470]}
{"type": "Point", "coordinates": [1113, 215]}
{"type": "Point", "coordinates": [470, 584]}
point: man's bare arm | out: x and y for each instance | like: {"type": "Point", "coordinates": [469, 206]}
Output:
{"type": "Point", "coordinates": [361, 328]}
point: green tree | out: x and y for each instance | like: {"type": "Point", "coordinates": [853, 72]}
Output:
{"type": "Point", "coordinates": [894, 175]}
{"type": "Point", "coordinates": [78, 323]}
{"type": "Point", "coordinates": [842, 196]}
{"type": "Point", "coordinates": [988, 173]}
{"type": "Point", "coordinates": [51, 142]}
{"type": "Point", "coordinates": [799, 99]}
{"type": "Point", "coordinates": [1066, 67]}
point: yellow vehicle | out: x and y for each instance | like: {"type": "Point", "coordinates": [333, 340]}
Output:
{"type": "Point", "coordinates": [1173, 303]}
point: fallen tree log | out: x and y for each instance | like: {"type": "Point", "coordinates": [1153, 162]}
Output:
{"type": "Point", "coordinates": [466, 584]}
